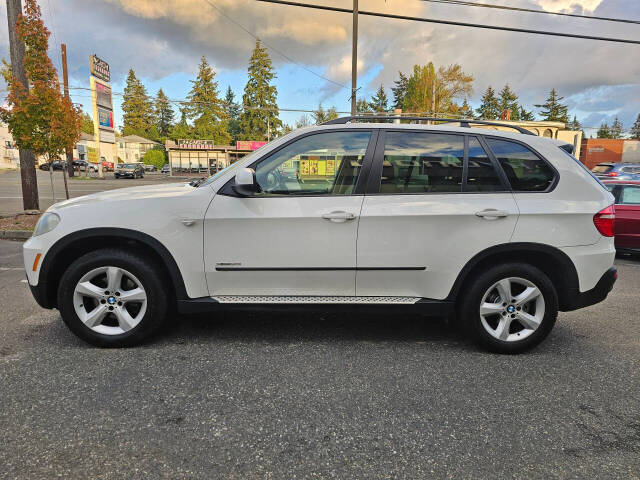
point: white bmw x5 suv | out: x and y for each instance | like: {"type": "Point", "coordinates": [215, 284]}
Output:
{"type": "Point", "coordinates": [500, 230]}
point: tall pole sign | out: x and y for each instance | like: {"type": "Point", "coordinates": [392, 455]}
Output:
{"type": "Point", "coordinates": [102, 101]}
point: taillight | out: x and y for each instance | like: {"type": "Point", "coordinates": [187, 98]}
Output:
{"type": "Point", "coordinates": [604, 221]}
{"type": "Point", "coordinates": [612, 174]}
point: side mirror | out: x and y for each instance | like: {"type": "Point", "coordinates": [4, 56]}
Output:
{"type": "Point", "coordinates": [245, 182]}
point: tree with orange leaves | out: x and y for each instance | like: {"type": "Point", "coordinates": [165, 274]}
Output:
{"type": "Point", "coordinates": [39, 118]}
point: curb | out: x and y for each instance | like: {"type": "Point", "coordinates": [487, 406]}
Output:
{"type": "Point", "coordinates": [15, 234]}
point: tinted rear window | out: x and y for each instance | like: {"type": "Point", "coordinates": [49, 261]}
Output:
{"type": "Point", "coordinates": [525, 170]}
{"type": "Point", "coordinates": [602, 168]}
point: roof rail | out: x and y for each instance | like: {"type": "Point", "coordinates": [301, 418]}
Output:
{"type": "Point", "coordinates": [463, 122]}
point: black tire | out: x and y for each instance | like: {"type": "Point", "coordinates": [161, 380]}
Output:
{"type": "Point", "coordinates": [145, 270]}
{"type": "Point", "coordinates": [469, 307]}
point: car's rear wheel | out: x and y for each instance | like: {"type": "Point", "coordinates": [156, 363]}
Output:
{"type": "Point", "coordinates": [112, 298]}
{"type": "Point", "coordinates": [510, 308]}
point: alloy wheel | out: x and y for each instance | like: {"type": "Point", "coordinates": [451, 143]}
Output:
{"type": "Point", "coordinates": [512, 309]}
{"type": "Point", "coordinates": [110, 300]}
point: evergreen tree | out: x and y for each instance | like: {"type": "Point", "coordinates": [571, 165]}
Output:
{"type": "Point", "coordinates": [553, 110]}
{"type": "Point", "coordinates": [616, 128]}
{"type": "Point", "coordinates": [163, 114]}
{"type": "Point", "coordinates": [604, 131]}
{"type": "Point", "coordinates": [321, 115]}
{"type": "Point", "coordinates": [181, 129]}
{"type": "Point", "coordinates": [205, 108]}
{"type": "Point", "coordinates": [574, 124]}
{"type": "Point", "coordinates": [136, 107]}
{"type": "Point", "coordinates": [465, 110]}
{"type": "Point", "coordinates": [260, 107]}
{"type": "Point", "coordinates": [379, 102]}
{"type": "Point", "coordinates": [509, 101]}
{"type": "Point", "coordinates": [490, 107]}
{"type": "Point", "coordinates": [400, 90]}
{"type": "Point", "coordinates": [232, 110]}
{"type": "Point", "coordinates": [526, 115]}
{"type": "Point", "coordinates": [635, 129]}
{"type": "Point", "coordinates": [362, 107]}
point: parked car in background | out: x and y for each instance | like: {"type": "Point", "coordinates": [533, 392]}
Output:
{"type": "Point", "coordinates": [83, 165]}
{"type": "Point", "coordinates": [129, 170]}
{"type": "Point", "coordinates": [107, 166]}
{"type": "Point", "coordinates": [165, 168]}
{"type": "Point", "coordinates": [150, 168]}
{"type": "Point", "coordinates": [55, 165]}
{"type": "Point", "coordinates": [627, 226]}
{"type": "Point", "coordinates": [619, 171]}
{"type": "Point", "coordinates": [501, 230]}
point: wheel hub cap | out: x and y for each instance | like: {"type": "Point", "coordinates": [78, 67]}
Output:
{"type": "Point", "coordinates": [512, 309]}
{"type": "Point", "coordinates": [110, 300]}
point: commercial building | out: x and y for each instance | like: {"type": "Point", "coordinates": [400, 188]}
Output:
{"type": "Point", "coordinates": [609, 150]}
{"type": "Point", "coordinates": [189, 156]}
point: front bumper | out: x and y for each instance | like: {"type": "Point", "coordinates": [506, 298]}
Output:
{"type": "Point", "coordinates": [597, 294]}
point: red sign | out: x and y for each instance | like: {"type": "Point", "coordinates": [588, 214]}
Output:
{"type": "Point", "coordinates": [249, 145]}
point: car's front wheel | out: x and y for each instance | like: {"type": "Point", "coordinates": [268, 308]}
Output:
{"type": "Point", "coordinates": [112, 298]}
{"type": "Point", "coordinates": [510, 308]}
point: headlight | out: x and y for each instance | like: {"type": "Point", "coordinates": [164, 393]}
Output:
{"type": "Point", "coordinates": [47, 222]}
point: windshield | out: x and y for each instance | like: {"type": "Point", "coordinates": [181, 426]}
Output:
{"type": "Point", "coordinates": [602, 168]}
{"type": "Point", "coordinates": [128, 165]}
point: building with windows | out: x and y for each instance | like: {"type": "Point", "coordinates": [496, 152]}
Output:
{"type": "Point", "coordinates": [9, 157]}
{"type": "Point", "coordinates": [188, 156]}
{"type": "Point", "coordinates": [133, 147]}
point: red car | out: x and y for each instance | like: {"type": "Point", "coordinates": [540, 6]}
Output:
{"type": "Point", "coordinates": [627, 224]}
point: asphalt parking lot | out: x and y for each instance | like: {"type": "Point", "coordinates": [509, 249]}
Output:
{"type": "Point", "coordinates": [318, 396]}
{"type": "Point", "coordinates": [11, 190]}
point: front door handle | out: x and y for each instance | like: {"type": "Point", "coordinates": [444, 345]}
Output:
{"type": "Point", "coordinates": [338, 216]}
{"type": "Point", "coordinates": [492, 214]}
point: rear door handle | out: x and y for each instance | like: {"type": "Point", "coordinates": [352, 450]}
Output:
{"type": "Point", "coordinates": [492, 214]}
{"type": "Point", "coordinates": [338, 216]}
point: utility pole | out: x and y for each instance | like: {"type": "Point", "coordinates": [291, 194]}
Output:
{"type": "Point", "coordinates": [354, 58]}
{"type": "Point", "coordinates": [65, 80]}
{"type": "Point", "coordinates": [30, 199]}
{"type": "Point", "coordinates": [69, 151]}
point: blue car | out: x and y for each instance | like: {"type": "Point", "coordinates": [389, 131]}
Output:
{"type": "Point", "coordinates": [618, 171]}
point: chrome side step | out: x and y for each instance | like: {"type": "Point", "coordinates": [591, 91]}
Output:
{"type": "Point", "coordinates": [243, 299]}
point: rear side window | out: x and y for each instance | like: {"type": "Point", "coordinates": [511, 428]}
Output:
{"type": "Point", "coordinates": [481, 176]}
{"type": "Point", "coordinates": [417, 162]}
{"type": "Point", "coordinates": [525, 170]}
{"type": "Point", "coordinates": [630, 195]}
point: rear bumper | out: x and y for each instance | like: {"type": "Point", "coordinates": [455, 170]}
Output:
{"type": "Point", "coordinates": [597, 294]}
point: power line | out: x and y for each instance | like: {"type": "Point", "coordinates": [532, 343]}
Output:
{"type": "Point", "coordinates": [284, 55]}
{"type": "Point", "coordinates": [530, 10]}
{"type": "Point", "coordinates": [451, 22]}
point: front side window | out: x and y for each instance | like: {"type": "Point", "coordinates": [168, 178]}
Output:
{"type": "Point", "coordinates": [482, 176]}
{"type": "Point", "coordinates": [325, 163]}
{"type": "Point", "coordinates": [630, 195]}
{"type": "Point", "coordinates": [419, 162]}
{"type": "Point", "coordinates": [525, 170]}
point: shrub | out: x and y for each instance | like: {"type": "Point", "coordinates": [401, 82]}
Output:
{"type": "Point", "coordinates": [155, 158]}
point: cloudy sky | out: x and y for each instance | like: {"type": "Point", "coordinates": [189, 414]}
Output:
{"type": "Point", "coordinates": [163, 40]}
